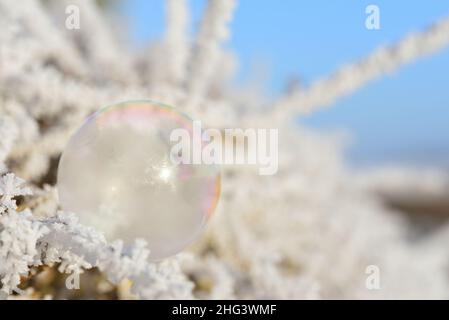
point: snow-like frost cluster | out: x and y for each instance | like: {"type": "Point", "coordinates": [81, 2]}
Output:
{"type": "Point", "coordinates": [309, 232]}
{"type": "Point", "coordinates": [26, 241]}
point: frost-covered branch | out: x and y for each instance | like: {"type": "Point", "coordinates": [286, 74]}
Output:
{"type": "Point", "coordinates": [212, 33]}
{"type": "Point", "coordinates": [351, 77]}
{"type": "Point", "coordinates": [176, 39]}
{"type": "Point", "coordinates": [26, 241]}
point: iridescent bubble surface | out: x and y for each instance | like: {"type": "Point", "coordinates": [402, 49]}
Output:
{"type": "Point", "coordinates": [116, 174]}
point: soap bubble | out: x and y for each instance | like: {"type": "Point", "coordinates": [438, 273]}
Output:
{"type": "Point", "coordinates": [116, 174]}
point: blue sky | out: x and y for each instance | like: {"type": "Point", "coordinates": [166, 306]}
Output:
{"type": "Point", "coordinates": [401, 118]}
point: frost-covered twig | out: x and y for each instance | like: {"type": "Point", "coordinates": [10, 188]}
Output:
{"type": "Point", "coordinates": [212, 33]}
{"type": "Point", "coordinates": [79, 247]}
{"type": "Point", "coordinates": [10, 187]}
{"type": "Point", "coordinates": [351, 77]}
{"type": "Point", "coordinates": [26, 241]}
{"type": "Point", "coordinates": [176, 40]}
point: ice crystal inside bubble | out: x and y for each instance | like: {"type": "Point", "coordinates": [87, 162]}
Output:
{"type": "Point", "coordinates": [116, 174]}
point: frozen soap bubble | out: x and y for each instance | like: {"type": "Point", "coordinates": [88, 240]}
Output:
{"type": "Point", "coordinates": [117, 175]}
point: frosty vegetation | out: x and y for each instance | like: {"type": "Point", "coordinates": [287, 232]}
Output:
{"type": "Point", "coordinates": [309, 231]}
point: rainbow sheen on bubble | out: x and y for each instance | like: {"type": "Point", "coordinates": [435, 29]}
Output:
{"type": "Point", "coordinates": [116, 174]}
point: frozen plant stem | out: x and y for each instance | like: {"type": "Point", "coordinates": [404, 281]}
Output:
{"type": "Point", "coordinates": [352, 77]}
